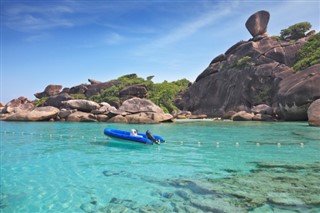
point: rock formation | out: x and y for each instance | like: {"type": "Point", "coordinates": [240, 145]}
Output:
{"type": "Point", "coordinates": [38, 114]}
{"type": "Point", "coordinates": [18, 104]}
{"type": "Point", "coordinates": [296, 93]}
{"type": "Point", "coordinates": [257, 23]}
{"type": "Point", "coordinates": [82, 105]}
{"type": "Point", "coordinates": [314, 113]}
{"type": "Point", "coordinates": [255, 72]}
{"type": "Point", "coordinates": [50, 90]}
{"type": "Point", "coordinates": [137, 90]}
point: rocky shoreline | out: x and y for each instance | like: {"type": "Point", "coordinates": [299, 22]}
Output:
{"type": "Point", "coordinates": [253, 80]}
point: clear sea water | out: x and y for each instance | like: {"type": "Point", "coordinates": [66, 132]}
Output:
{"type": "Point", "coordinates": [73, 167]}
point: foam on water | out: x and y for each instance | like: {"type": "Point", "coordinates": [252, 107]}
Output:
{"type": "Point", "coordinates": [73, 167]}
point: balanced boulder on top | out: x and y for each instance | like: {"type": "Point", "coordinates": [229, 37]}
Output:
{"type": "Point", "coordinates": [258, 22]}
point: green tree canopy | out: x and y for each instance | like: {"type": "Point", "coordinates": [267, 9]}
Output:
{"type": "Point", "coordinates": [295, 31]}
{"type": "Point", "coordinates": [309, 54]}
{"type": "Point", "coordinates": [162, 94]}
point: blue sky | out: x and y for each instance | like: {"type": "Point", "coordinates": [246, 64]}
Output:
{"type": "Point", "coordinates": [67, 42]}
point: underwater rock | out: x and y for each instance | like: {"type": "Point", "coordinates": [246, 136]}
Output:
{"type": "Point", "coordinates": [294, 186]}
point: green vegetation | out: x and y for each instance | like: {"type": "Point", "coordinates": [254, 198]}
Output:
{"type": "Point", "coordinates": [162, 94]}
{"type": "Point", "coordinates": [309, 54]}
{"type": "Point", "coordinates": [39, 102]}
{"type": "Point", "coordinates": [263, 96]}
{"type": "Point", "coordinates": [243, 62]}
{"type": "Point", "coordinates": [78, 96]}
{"type": "Point", "coordinates": [295, 31]}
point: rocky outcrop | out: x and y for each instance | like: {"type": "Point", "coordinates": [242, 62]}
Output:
{"type": "Point", "coordinates": [242, 116]}
{"type": "Point", "coordinates": [297, 92]}
{"type": "Point", "coordinates": [56, 100]}
{"type": "Point", "coordinates": [137, 105]}
{"type": "Point", "coordinates": [262, 109]}
{"type": "Point", "coordinates": [18, 104]}
{"type": "Point", "coordinates": [254, 72]}
{"type": "Point", "coordinates": [82, 105]}
{"type": "Point", "coordinates": [314, 113]}
{"type": "Point", "coordinates": [38, 114]}
{"type": "Point", "coordinates": [81, 117]}
{"type": "Point", "coordinates": [92, 81]}
{"type": "Point", "coordinates": [104, 109]}
{"type": "Point", "coordinates": [95, 87]}
{"type": "Point", "coordinates": [137, 110]}
{"type": "Point", "coordinates": [50, 90]}
{"type": "Point", "coordinates": [118, 119]}
{"type": "Point", "coordinates": [137, 90]}
{"type": "Point", "coordinates": [257, 23]}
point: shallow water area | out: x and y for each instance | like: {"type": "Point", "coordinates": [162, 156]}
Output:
{"type": "Point", "coordinates": [205, 166]}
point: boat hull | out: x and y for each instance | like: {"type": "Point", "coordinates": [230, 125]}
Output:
{"type": "Point", "coordinates": [125, 135]}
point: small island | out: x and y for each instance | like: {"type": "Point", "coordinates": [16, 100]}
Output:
{"type": "Point", "coordinates": [267, 78]}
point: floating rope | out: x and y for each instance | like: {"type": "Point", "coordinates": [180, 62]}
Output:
{"type": "Point", "coordinates": [95, 139]}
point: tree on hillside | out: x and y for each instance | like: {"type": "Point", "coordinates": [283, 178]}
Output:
{"type": "Point", "coordinates": [295, 31]}
{"type": "Point", "coordinates": [309, 54]}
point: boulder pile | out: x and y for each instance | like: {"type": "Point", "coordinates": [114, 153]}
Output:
{"type": "Point", "coordinates": [134, 110]}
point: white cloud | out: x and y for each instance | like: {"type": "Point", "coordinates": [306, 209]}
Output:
{"type": "Point", "coordinates": [188, 28]}
{"type": "Point", "coordinates": [113, 38]}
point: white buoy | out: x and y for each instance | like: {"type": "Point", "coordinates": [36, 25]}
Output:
{"type": "Point", "coordinates": [50, 135]}
{"type": "Point", "coordinates": [279, 144]}
{"type": "Point", "coordinates": [218, 143]}
{"type": "Point", "coordinates": [95, 139]}
{"type": "Point", "coordinates": [60, 136]}
{"type": "Point", "coordinates": [258, 144]}
{"type": "Point", "coordinates": [237, 143]}
{"type": "Point", "coordinates": [181, 142]}
{"type": "Point", "coordinates": [302, 144]}
{"type": "Point", "coordinates": [82, 137]}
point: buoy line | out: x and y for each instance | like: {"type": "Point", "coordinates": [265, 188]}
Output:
{"type": "Point", "coordinates": [181, 143]}
{"type": "Point", "coordinates": [54, 136]}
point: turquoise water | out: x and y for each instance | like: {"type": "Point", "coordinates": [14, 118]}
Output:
{"type": "Point", "coordinates": [73, 167]}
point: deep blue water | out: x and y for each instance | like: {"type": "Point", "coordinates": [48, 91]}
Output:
{"type": "Point", "coordinates": [73, 167]}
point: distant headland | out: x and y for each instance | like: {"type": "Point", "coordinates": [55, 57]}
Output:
{"type": "Point", "coordinates": [267, 78]}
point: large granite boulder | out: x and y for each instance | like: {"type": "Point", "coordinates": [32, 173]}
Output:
{"type": "Point", "coordinates": [314, 113]}
{"type": "Point", "coordinates": [136, 90]}
{"type": "Point", "coordinates": [18, 104]}
{"type": "Point", "coordinates": [81, 117]}
{"type": "Point", "coordinates": [56, 100]}
{"type": "Point", "coordinates": [262, 109]}
{"type": "Point", "coordinates": [97, 88]}
{"type": "Point", "coordinates": [140, 118]}
{"type": "Point", "coordinates": [82, 105]}
{"type": "Point", "coordinates": [248, 75]}
{"type": "Point", "coordinates": [257, 23]}
{"type": "Point", "coordinates": [92, 81]}
{"type": "Point", "coordinates": [242, 116]}
{"type": "Point", "coordinates": [104, 109]}
{"type": "Point", "coordinates": [79, 89]}
{"type": "Point", "coordinates": [50, 90]}
{"type": "Point", "coordinates": [297, 92]}
{"type": "Point", "coordinates": [38, 114]}
{"type": "Point", "coordinates": [118, 119]}
{"type": "Point", "coordinates": [137, 105]}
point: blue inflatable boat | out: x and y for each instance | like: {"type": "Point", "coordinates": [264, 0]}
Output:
{"type": "Point", "coordinates": [125, 135]}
